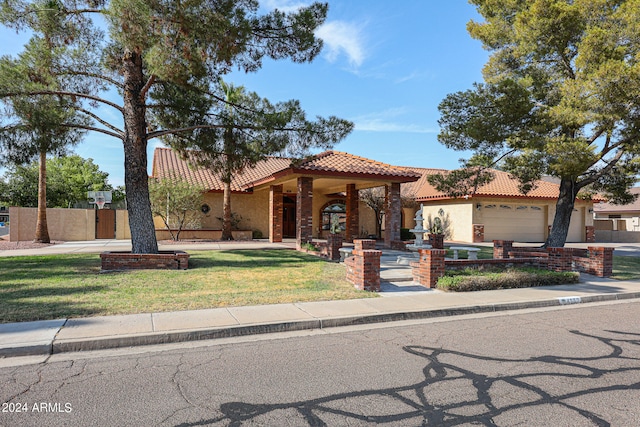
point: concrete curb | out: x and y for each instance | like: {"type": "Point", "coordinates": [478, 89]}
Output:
{"type": "Point", "coordinates": [110, 342]}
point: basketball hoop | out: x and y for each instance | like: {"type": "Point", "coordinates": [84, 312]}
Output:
{"type": "Point", "coordinates": [99, 198]}
{"type": "Point", "coordinates": [100, 201]}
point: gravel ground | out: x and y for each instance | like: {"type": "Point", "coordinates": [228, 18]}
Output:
{"type": "Point", "coordinates": [6, 245]}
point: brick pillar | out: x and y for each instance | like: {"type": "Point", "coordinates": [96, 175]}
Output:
{"type": "Point", "coordinates": [334, 243]}
{"type": "Point", "coordinates": [590, 233]}
{"type": "Point", "coordinates": [560, 259]}
{"type": "Point", "coordinates": [478, 233]}
{"type": "Point", "coordinates": [304, 211]}
{"type": "Point", "coordinates": [363, 267]}
{"type": "Point", "coordinates": [501, 248]}
{"type": "Point", "coordinates": [275, 210]}
{"type": "Point", "coordinates": [600, 261]}
{"type": "Point", "coordinates": [353, 214]}
{"type": "Point", "coordinates": [436, 240]}
{"type": "Point", "coordinates": [430, 267]}
{"type": "Point", "coordinates": [393, 215]}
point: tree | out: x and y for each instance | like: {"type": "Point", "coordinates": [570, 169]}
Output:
{"type": "Point", "coordinates": [177, 202]}
{"type": "Point", "coordinates": [68, 181]}
{"type": "Point", "coordinates": [245, 129]}
{"type": "Point", "coordinates": [43, 124]}
{"type": "Point", "coordinates": [375, 199]}
{"type": "Point", "coordinates": [162, 57]}
{"type": "Point", "coordinates": [560, 98]}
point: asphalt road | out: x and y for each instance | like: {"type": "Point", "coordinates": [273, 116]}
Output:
{"type": "Point", "coordinates": [573, 366]}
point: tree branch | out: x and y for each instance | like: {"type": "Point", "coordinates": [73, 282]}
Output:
{"type": "Point", "coordinates": [100, 120]}
{"type": "Point", "coordinates": [92, 128]}
{"type": "Point", "coordinates": [63, 93]}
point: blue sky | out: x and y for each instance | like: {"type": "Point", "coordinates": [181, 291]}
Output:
{"type": "Point", "coordinates": [385, 66]}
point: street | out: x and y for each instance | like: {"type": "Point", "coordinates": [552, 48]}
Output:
{"type": "Point", "coordinates": [571, 366]}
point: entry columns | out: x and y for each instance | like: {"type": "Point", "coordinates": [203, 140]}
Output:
{"type": "Point", "coordinates": [304, 211]}
{"type": "Point", "coordinates": [392, 214]}
{"type": "Point", "coordinates": [353, 215]}
{"type": "Point", "coordinates": [275, 212]}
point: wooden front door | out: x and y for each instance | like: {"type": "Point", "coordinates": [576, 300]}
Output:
{"type": "Point", "coordinates": [105, 224]}
{"type": "Point", "coordinates": [288, 217]}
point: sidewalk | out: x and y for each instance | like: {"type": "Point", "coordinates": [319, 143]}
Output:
{"type": "Point", "coordinates": [401, 299]}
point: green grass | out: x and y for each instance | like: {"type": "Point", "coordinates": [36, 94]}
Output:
{"type": "Point", "coordinates": [626, 268]}
{"type": "Point", "coordinates": [59, 286]}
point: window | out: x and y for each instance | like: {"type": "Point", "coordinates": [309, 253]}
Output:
{"type": "Point", "coordinates": [334, 208]}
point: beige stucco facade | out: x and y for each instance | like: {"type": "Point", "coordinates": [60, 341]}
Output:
{"type": "Point", "coordinates": [519, 219]}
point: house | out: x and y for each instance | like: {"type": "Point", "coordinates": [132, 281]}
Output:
{"type": "Point", "coordinates": [4, 214]}
{"type": "Point", "coordinates": [276, 193]}
{"type": "Point", "coordinates": [279, 198]}
{"type": "Point", "coordinates": [498, 211]}
{"type": "Point", "coordinates": [618, 223]}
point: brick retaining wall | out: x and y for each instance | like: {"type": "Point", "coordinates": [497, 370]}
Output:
{"type": "Point", "coordinates": [164, 260]}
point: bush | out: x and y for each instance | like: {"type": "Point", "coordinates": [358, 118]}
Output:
{"type": "Point", "coordinates": [256, 234]}
{"type": "Point", "coordinates": [480, 280]}
{"type": "Point", "coordinates": [405, 234]}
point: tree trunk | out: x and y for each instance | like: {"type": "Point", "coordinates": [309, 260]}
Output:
{"type": "Point", "coordinates": [564, 209]}
{"type": "Point", "coordinates": [143, 235]}
{"type": "Point", "coordinates": [42, 231]}
{"type": "Point", "coordinates": [226, 210]}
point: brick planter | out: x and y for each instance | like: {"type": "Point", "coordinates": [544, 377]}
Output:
{"type": "Point", "coordinates": [165, 260]}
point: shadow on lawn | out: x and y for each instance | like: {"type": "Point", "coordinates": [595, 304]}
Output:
{"type": "Point", "coordinates": [250, 259]}
{"type": "Point", "coordinates": [23, 303]}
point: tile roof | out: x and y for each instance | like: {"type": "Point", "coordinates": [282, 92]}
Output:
{"type": "Point", "coordinates": [501, 186]}
{"type": "Point", "coordinates": [167, 163]}
{"type": "Point", "coordinates": [340, 162]}
{"type": "Point", "coordinates": [611, 208]}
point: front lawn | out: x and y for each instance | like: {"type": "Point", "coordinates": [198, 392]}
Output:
{"type": "Point", "coordinates": [59, 286]}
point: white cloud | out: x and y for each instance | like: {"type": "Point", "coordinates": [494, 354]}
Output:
{"type": "Point", "coordinates": [342, 37]}
{"type": "Point", "coordinates": [385, 122]}
{"type": "Point", "coordinates": [285, 5]}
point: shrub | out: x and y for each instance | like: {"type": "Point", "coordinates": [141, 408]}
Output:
{"type": "Point", "coordinates": [481, 280]}
{"type": "Point", "coordinates": [405, 234]}
{"type": "Point", "coordinates": [256, 234]}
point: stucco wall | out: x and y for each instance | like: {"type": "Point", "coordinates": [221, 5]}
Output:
{"type": "Point", "coordinates": [62, 224]}
{"type": "Point", "coordinates": [460, 214]}
{"type": "Point", "coordinates": [463, 214]}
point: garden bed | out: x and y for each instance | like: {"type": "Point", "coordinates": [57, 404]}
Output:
{"type": "Point", "coordinates": [163, 260]}
{"type": "Point", "coordinates": [488, 279]}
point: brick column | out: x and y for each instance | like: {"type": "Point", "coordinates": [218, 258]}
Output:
{"type": "Point", "coordinates": [393, 216]}
{"type": "Point", "coordinates": [334, 243]}
{"type": "Point", "coordinates": [600, 261]}
{"type": "Point", "coordinates": [590, 234]}
{"type": "Point", "coordinates": [560, 259]}
{"type": "Point", "coordinates": [478, 233]}
{"type": "Point", "coordinates": [501, 248]}
{"type": "Point", "coordinates": [363, 267]}
{"type": "Point", "coordinates": [430, 267]}
{"type": "Point", "coordinates": [304, 211]}
{"type": "Point", "coordinates": [275, 210]}
{"type": "Point", "coordinates": [436, 240]}
{"type": "Point", "coordinates": [353, 214]}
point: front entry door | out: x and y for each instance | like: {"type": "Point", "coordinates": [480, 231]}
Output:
{"type": "Point", "coordinates": [288, 216]}
{"type": "Point", "coordinates": [105, 224]}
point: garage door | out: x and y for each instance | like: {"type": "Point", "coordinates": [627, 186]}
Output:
{"type": "Point", "coordinates": [576, 227]}
{"type": "Point", "coordinates": [521, 223]}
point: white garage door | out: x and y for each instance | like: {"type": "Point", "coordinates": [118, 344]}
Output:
{"type": "Point", "coordinates": [521, 223]}
{"type": "Point", "coordinates": [576, 227]}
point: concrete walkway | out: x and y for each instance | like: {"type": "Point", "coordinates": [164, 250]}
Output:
{"type": "Point", "coordinates": [401, 299]}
